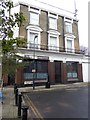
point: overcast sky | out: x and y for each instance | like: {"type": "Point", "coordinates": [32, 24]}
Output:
{"type": "Point", "coordinates": [82, 7]}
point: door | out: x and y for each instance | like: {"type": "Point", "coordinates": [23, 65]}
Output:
{"type": "Point", "coordinates": [57, 72]}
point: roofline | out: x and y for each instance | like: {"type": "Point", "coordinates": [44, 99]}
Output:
{"type": "Point", "coordinates": [23, 3]}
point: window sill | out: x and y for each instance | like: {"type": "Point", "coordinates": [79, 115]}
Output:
{"type": "Point", "coordinates": [72, 79]}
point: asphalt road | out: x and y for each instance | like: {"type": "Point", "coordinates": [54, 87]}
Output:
{"type": "Point", "coordinates": [68, 103]}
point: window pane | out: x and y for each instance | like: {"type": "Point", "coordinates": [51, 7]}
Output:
{"type": "Point", "coordinates": [74, 75]}
{"type": "Point", "coordinates": [28, 69]}
{"type": "Point", "coordinates": [42, 66]}
{"type": "Point", "coordinates": [71, 70]}
{"type": "Point", "coordinates": [53, 23]}
{"type": "Point", "coordinates": [34, 18]}
{"type": "Point", "coordinates": [33, 40]}
{"type": "Point", "coordinates": [69, 45]}
{"type": "Point", "coordinates": [53, 43]}
{"type": "Point", "coordinates": [69, 75]}
{"type": "Point", "coordinates": [68, 27]}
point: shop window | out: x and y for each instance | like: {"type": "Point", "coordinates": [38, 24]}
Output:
{"type": "Point", "coordinates": [42, 66]}
{"type": "Point", "coordinates": [71, 70]}
{"type": "Point", "coordinates": [41, 70]}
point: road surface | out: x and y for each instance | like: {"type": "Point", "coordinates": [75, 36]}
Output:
{"type": "Point", "coordinates": [68, 103]}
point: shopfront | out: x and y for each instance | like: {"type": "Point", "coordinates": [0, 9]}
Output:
{"type": "Point", "coordinates": [37, 70]}
{"type": "Point", "coordinates": [56, 72]}
{"type": "Point", "coordinates": [72, 71]}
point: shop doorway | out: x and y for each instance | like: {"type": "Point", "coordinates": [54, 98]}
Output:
{"type": "Point", "coordinates": [57, 72]}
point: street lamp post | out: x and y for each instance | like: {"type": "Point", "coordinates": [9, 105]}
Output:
{"type": "Point", "coordinates": [34, 69]}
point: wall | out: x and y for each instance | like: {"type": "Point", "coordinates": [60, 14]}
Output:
{"type": "Point", "coordinates": [60, 28]}
{"type": "Point", "coordinates": [22, 30]}
{"type": "Point", "coordinates": [85, 70]}
{"type": "Point", "coordinates": [44, 26]}
{"type": "Point", "coordinates": [75, 33]}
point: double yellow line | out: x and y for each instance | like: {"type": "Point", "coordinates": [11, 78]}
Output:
{"type": "Point", "coordinates": [34, 109]}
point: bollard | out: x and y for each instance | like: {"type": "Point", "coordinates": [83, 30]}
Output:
{"type": "Point", "coordinates": [16, 97]}
{"type": "Point", "coordinates": [24, 112]}
{"type": "Point", "coordinates": [19, 104]}
{"type": "Point", "coordinates": [48, 84]}
{"type": "Point", "coordinates": [15, 87]}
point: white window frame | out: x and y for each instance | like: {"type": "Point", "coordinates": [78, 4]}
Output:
{"type": "Point", "coordinates": [57, 47]}
{"type": "Point", "coordinates": [72, 39]}
{"type": "Point", "coordinates": [34, 11]}
{"type": "Point", "coordinates": [51, 16]}
{"type": "Point", "coordinates": [33, 23]}
{"type": "Point", "coordinates": [28, 38]}
{"type": "Point", "coordinates": [70, 22]}
{"type": "Point", "coordinates": [51, 27]}
{"type": "Point", "coordinates": [70, 29]}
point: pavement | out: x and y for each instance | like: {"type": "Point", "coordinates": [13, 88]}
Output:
{"type": "Point", "coordinates": [0, 109]}
{"type": "Point", "coordinates": [9, 110]}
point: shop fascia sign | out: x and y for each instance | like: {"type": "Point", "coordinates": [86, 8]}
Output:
{"type": "Point", "coordinates": [43, 57]}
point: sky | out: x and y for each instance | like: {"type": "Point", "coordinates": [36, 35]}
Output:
{"type": "Point", "coordinates": [82, 15]}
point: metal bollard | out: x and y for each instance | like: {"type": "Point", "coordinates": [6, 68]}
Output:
{"type": "Point", "coordinates": [24, 112]}
{"type": "Point", "coordinates": [15, 87]}
{"type": "Point", "coordinates": [16, 97]}
{"type": "Point", "coordinates": [48, 84]}
{"type": "Point", "coordinates": [19, 104]}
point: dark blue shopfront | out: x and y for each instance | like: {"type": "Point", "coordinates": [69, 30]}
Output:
{"type": "Point", "coordinates": [37, 70]}
{"type": "Point", "coordinates": [55, 72]}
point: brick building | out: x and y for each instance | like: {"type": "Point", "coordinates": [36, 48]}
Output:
{"type": "Point", "coordinates": [52, 45]}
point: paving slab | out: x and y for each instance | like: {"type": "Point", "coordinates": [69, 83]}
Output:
{"type": "Point", "coordinates": [9, 110]}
